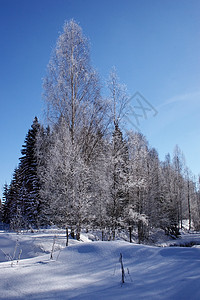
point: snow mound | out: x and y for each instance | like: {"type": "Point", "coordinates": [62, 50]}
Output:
{"type": "Point", "coordinates": [91, 270]}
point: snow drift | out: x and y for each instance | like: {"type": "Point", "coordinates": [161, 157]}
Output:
{"type": "Point", "coordinates": [91, 270]}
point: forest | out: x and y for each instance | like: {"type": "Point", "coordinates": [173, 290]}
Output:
{"type": "Point", "coordinates": [83, 169]}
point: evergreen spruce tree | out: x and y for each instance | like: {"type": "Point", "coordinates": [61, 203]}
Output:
{"type": "Point", "coordinates": [6, 205]}
{"type": "Point", "coordinates": [44, 142]}
{"type": "Point", "coordinates": [12, 205]}
{"type": "Point", "coordinates": [16, 220]}
{"type": "Point", "coordinates": [118, 173]}
{"type": "Point", "coordinates": [29, 191]}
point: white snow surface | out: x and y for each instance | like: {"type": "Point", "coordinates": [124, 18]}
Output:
{"type": "Point", "coordinates": [91, 270]}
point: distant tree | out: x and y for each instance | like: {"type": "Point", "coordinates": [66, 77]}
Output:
{"type": "Point", "coordinates": [189, 196]}
{"type": "Point", "coordinates": [178, 163]}
{"type": "Point", "coordinates": [170, 220]}
{"type": "Point", "coordinates": [155, 193]}
{"type": "Point", "coordinates": [195, 206]}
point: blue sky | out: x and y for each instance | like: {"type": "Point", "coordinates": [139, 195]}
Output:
{"type": "Point", "coordinates": [155, 46]}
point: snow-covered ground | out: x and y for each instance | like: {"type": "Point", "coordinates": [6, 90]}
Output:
{"type": "Point", "coordinates": [91, 270]}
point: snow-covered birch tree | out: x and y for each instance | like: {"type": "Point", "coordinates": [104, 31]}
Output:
{"type": "Point", "coordinates": [118, 153]}
{"type": "Point", "coordinates": [178, 163]}
{"type": "Point", "coordinates": [137, 183]}
{"type": "Point", "coordinates": [72, 88]}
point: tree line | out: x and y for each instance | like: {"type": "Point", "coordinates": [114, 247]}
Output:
{"type": "Point", "coordinates": [83, 171]}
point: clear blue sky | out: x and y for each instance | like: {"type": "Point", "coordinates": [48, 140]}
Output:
{"type": "Point", "coordinates": [154, 44]}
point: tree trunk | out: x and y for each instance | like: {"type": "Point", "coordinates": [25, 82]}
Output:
{"type": "Point", "coordinates": [130, 233]}
{"type": "Point", "coordinates": [113, 234]}
{"type": "Point", "coordinates": [78, 233]}
{"type": "Point", "coordinates": [72, 233]}
{"type": "Point", "coordinates": [140, 232]}
{"type": "Point", "coordinates": [67, 236]}
{"type": "Point", "coordinates": [78, 236]}
{"type": "Point", "coordinates": [189, 207]}
{"type": "Point", "coordinates": [102, 235]}
{"type": "Point", "coordinates": [122, 267]}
